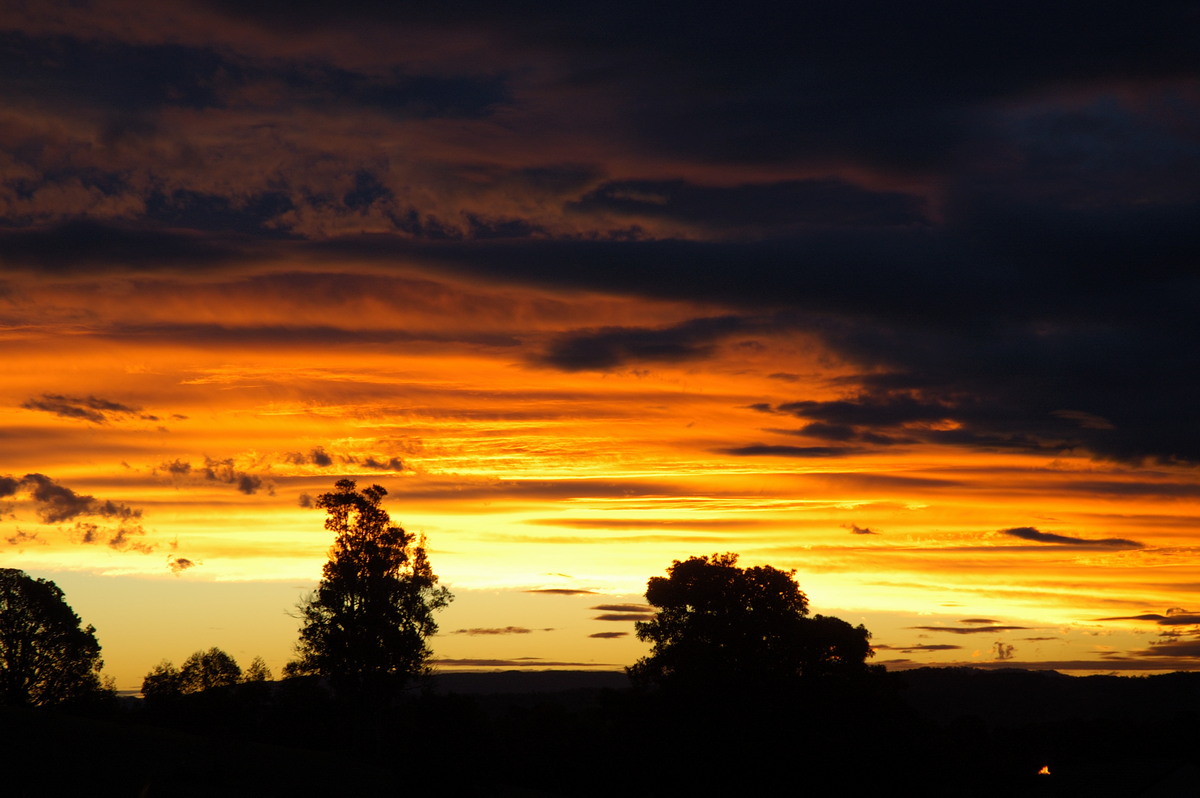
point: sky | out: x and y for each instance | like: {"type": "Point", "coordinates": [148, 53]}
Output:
{"type": "Point", "coordinates": [902, 296]}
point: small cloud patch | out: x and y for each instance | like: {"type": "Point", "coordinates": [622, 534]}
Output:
{"type": "Point", "coordinates": [489, 631]}
{"type": "Point", "coordinates": [86, 408]}
{"type": "Point", "coordinates": [1037, 536]}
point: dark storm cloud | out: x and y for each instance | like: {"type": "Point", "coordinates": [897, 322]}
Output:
{"type": "Point", "coordinates": [201, 211]}
{"type": "Point", "coordinates": [895, 84]}
{"type": "Point", "coordinates": [283, 336]}
{"type": "Point", "coordinates": [772, 206]}
{"type": "Point", "coordinates": [615, 347]}
{"type": "Point", "coordinates": [893, 81]}
{"type": "Point", "coordinates": [904, 417]}
{"type": "Point", "coordinates": [994, 226]}
{"type": "Point", "coordinates": [1030, 533]}
{"type": "Point", "coordinates": [1116, 488]}
{"type": "Point", "coordinates": [111, 75]}
{"type": "Point", "coordinates": [760, 449]}
{"type": "Point", "coordinates": [829, 432]}
{"type": "Point", "coordinates": [78, 246]}
{"type": "Point", "coordinates": [132, 78]}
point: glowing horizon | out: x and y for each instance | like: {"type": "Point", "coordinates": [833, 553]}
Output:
{"type": "Point", "coordinates": [923, 334]}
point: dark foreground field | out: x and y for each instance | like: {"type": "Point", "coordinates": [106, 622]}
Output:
{"type": "Point", "coordinates": [940, 731]}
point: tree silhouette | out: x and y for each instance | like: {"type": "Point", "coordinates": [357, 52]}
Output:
{"type": "Point", "coordinates": [204, 670]}
{"type": "Point", "coordinates": [45, 657]}
{"type": "Point", "coordinates": [257, 672]}
{"type": "Point", "coordinates": [162, 682]}
{"type": "Point", "coordinates": [369, 619]}
{"type": "Point", "coordinates": [718, 623]}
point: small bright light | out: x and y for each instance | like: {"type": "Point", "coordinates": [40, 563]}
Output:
{"type": "Point", "coordinates": [1045, 771]}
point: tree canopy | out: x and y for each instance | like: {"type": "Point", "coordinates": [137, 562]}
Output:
{"type": "Point", "coordinates": [717, 622]}
{"type": "Point", "coordinates": [46, 657]}
{"type": "Point", "coordinates": [201, 671]}
{"type": "Point", "coordinates": [205, 670]}
{"type": "Point", "coordinates": [257, 672]}
{"type": "Point", "coordinates": [372, 613]}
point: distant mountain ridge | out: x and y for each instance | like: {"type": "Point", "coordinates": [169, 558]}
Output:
{"type": "Point", "coordinates": [514, 682]}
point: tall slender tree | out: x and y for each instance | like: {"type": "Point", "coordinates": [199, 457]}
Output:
{"type": "Point", "coordinates": [367, 624]}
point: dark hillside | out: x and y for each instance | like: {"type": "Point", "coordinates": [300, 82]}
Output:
{"type": "Point", "coordinates": [946, 732]}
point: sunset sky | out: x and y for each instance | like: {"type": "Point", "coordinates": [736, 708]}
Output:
{"type": "Point", "coordinates": [903, 296]}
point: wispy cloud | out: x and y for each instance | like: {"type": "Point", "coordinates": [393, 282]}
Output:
{"type": "Point", "coordinates": [86, 408]}
{"type": "Point", "coordinates": [501, 630]}
{"type": "Point", "coordinates": [1176, 616]}
{"type": "Point", "coordinates": [1032, 534]}
{"type": "Point", "coordinates": [917, 647]}
{"type": "Point", "coordinates": [969, 630]}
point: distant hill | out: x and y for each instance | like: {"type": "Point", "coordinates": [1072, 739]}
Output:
{"type": "Point", "coordinates": [525, 682]}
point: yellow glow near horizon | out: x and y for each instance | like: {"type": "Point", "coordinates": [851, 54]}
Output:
{"type": "Point", "coordinates": [530, 478]}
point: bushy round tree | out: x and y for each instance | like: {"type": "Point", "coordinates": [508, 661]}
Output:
{"type": "Point", "coordinates": [46, 657]}
{"type": "Point", "coordinates": [205, 670]}
{"type": "Point", "coordinates": [721, 624]}
{"type": "Point", "coordinates": [201, 671]}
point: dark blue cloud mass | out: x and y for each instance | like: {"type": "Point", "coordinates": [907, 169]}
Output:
{"type": "Point", "coordinates": [985, 211]}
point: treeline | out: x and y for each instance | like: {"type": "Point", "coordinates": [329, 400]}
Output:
{"type": "Point", "coordinates": [742, 691]}
{"type": "Point", "coordinates": [942, 732]}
